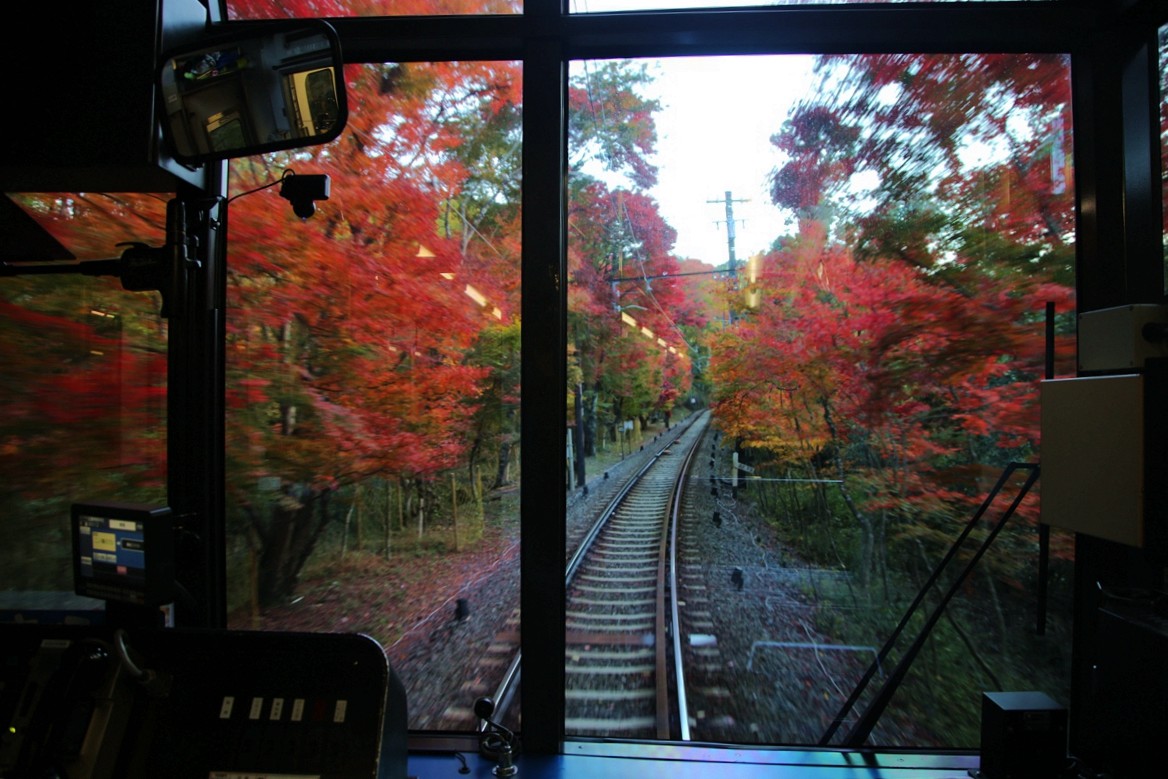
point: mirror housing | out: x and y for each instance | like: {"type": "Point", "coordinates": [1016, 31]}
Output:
{"type": "Point", "coordinates": [251, 89]}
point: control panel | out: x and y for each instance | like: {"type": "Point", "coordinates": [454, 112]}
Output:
{"type": "Point", "coordinates": [123, 552]}
{"type": "Point", "coordinates": [97, 703]}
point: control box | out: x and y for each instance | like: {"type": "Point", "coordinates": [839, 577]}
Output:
{"type": "Point", "coordinates": [1023, 736]}
{"type": "Point", "coordinates": [1117, 339]}
{"type": "Point", "coordinates": [100, 703]}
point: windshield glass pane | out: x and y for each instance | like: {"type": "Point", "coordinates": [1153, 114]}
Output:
{"type": "Point", "coordinates": [373, 382]}
{"type": "Point", "coordinates": [82, 391]}
{"type": "Point", "coordinates": [847, 262]}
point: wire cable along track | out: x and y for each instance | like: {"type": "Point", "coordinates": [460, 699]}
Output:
{"type": "Point", "coordinates": [621, 631]}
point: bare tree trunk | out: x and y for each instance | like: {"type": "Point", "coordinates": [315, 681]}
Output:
{"type": "Point", "coordinates": [421, 508]}
{"type": "Point", "coordinates": [359, 500]}
{"type": "Point", "coordinates": [388, 516]}
{"type": "Point", "coordinates": [401, 509]}
{"type": "Point", "coordinates": [578, 432]}
{"type": "Point", "coordinates": [589, 437]}
{"type": "Point", "coordinates": [287, 539]}
{"type": "Point", "coordinates": [254, 577]}
{"type": "Point", "coordinates": [503, 473]}
{"type": "Point", "coordinates": [345, 534]}
{"type": "Point", "coordinates": [454, 512]}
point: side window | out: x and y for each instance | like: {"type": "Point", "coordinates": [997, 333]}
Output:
{"type": "Point", "coordinates": [373, 365]}
{"type": "Point", "coordinates": [84, 389]}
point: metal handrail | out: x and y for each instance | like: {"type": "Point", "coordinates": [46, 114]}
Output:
{"type": "Point", "coordinates": [859, 734]}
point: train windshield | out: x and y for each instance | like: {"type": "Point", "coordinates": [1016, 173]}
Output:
{"type": "Point", "coordinates": [810, 299]}
{"type": "Point", "coordinates": [820, 283]}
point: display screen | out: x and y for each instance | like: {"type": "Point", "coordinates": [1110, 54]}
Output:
{"type": "Point", "coordinates": [112, 550]}
{"type": "Point", "coordinates": [123, 552]}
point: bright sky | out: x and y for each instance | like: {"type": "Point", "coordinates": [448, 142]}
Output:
{"type": "Point", "coordinates": [714, 130]}
{"type": "Point", "coordinates": [713, 136]}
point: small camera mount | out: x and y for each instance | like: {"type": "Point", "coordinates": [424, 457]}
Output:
{"type": "Point", "coordinates": [302, 191]}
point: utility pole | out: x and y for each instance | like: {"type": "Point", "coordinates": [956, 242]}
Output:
{"type": "Point", "coordinates": [730, 201]}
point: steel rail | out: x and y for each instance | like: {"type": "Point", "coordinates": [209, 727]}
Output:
{"type": "Point", "coordinates": [614, 673]}
{"type": "Point", "coordinates": [675, 617]}
{"type": "Point", "coordinates": [610, 509]}
{"type": "Point", "coordinates": [505, 692]}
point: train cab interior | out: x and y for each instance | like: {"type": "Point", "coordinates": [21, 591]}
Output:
{"type": "Point", "coordinates": [266, 398]}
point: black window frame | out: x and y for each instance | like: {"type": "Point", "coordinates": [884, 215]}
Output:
{"type": "Point", "coordinates": [1119, 260]}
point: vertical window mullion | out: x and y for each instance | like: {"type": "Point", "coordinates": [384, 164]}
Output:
{"type": "Point", "coordinates": [544, 376]}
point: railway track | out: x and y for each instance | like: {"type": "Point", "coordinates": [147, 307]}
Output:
{"type": "Point", "coordinates": [620, 675]}
{"type": "Point", "coordinates": [626, 628]}
{"type": "Point", "coordinates": [721, 643]}
{"type": "Point", "coordinates": [620, 614]}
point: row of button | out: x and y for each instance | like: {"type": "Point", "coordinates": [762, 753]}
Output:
{"type": "Point", "coordinates": [296, 712]}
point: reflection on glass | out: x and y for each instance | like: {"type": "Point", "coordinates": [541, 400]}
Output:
{"type": "Point", "coordinates": [83, 391]}
{"type": "Point", "coordinates": [606, 6]}
{"type": "Point", "coordinates": [1163, 37]}
{"type": "Point", "coordinates": [254, 94]}
{"type": "Point", "coordinates": [857, 259]}
{"type": "Point", "coordinates": [307, 9]}
{"type": "Point", "coordinates": [373, 391]}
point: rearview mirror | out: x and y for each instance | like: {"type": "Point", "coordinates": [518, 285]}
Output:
{"type": "Point", "coordinates": [251, 90]}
